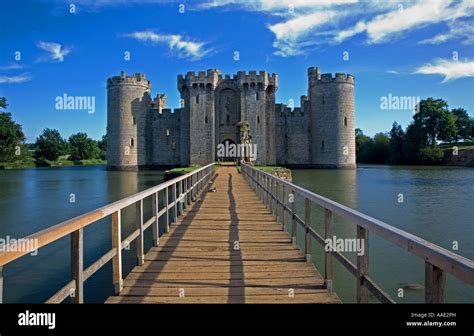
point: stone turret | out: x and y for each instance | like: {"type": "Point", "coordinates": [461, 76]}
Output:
{"type": "Point", "coordinates": [128, 100]}
{"type": "Point", "coordinates": [332, 119]}
{"type": "Point", "coordinates": [198, 116]}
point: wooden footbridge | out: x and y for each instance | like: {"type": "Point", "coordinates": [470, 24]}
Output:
{"type": "Point", "coordinates": [230, 237]}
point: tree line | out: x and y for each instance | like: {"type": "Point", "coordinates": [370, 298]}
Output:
{"type": "Point", "coordinates": [422, 142]}
{"type": "Point", "coordinates": [49, 145]}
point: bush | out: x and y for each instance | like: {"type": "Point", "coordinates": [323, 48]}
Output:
{"type": "Point", "coordinates": [431, 155]}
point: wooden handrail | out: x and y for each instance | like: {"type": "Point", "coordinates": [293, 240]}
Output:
{"type": "Point", "coordinates": [437, 259]}
{"type": "Point", "coordinates": [194, 182]}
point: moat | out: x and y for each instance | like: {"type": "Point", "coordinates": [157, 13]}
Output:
{"type": "Point", "coordinates": [34, 199]}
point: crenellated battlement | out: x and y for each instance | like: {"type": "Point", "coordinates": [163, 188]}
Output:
{"type": "Point", "coordinates": [263, 79]}
{"type": "Point", "coordinates": [138, 79]}
{"type": "Point", "coordinates": [315, 76]}
{"type": "Point", "coordinates": [337, 78]}
{"type": "Point", "coordinates": [283, 110]}
{"type": "Point", "coordinates": [200, 79]}
{"type": "Point", "coordinates": [166, 113]}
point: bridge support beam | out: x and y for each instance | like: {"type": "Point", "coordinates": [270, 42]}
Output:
{"type": "Point", "coordinates": [362, 266]}
{"type": "Point", "coordinates": [435, 284]}
{"type": "Point", "coordinates": [307, 233]}
{"type": "Point", "coordinates": [77, 265]}
{"type": "Point", "coordinates": [117, 245]}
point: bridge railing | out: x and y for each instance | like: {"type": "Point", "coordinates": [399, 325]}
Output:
{"type": "Point", "coordinates": [277, 193]}
{"type": "Point", "coordinates": [178, 194]}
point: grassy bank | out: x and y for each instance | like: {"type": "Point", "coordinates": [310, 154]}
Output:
{"type": "Point", "coordinates": [32, 163]}
{"type": "Point", "coordinates": [175, 172]}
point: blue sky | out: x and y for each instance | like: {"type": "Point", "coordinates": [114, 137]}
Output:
{"type": "Point", "coordinates": [404, 48]}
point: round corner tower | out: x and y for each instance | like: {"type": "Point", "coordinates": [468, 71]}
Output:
{"type": "Point", "coordinates": [332, 119]}
{"type": "Point", "coordinates": [128, 101]}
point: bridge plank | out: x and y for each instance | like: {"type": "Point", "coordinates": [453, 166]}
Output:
{"type": "Point", "coordinates": [226, 248]}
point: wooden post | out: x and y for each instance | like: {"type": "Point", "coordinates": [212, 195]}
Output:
{"type": "Point", "coordinates": [264, 184]}
{"type": "Point", "coordinates": [307, 234]}
{"type": "Point", "coordinates": [275, 198]}
{"type": "Point", "coordinates": [293, 219]}
{"type": "Point", "coordinates": [77, 265]}
{"type": "Point", "coordinates": [188, 193]}
{"type": "Point", "coordinates": [362, 266]}
{"type": "Point", "coordinates": [435, 284]}
{"type": "Point", "coordinates": [284, 201]}
{"type": "Point", "coordinates": [167, 213]}
{"type": "Point", "coordinates": [1, 284]}
{"type": "Point", "coordinates": [117, 259]}
{"type": "Point", "coordinates": [180, 198]}
{"type": "Point", "coordinates": [175, 206]}
{"type": "Point", "coordinates": [328, 274]}
{"type": "Point", "coordinates": [277, 193]}
{"type": "Point", "coordinates": [139, 224]}
{"type": "Point", "coordinates": [156, 225]}
{"type": "Point", "coordinates": [259, 178]}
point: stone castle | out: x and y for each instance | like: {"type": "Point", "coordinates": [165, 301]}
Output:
{"type": "Point", "coordinates": [142, 132]}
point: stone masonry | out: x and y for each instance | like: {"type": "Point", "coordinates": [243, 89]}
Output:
{"type": "Point", "coordinates": [143, 133]}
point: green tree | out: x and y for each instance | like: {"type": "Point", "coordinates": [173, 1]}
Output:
{"type": "Point", "coordinates": [381, 148]}
{"type": "Point", "coordinates": [3, 103]}
{"type": "Point", "coordinates": [431, 155]}
{"type": "Point", "coordinates": [364, 147]}
{"type": "Point", "coordinates": [82, 147]}
{"type": "Point", "coordinates": [463, 124]}
{"type": "Point", "coordinates": [434, 122]}
{"type": "Point", "coordinates": [396, 144]}
{"type": "Point", "coordinates": [11, 136]}
{"type": "Point", "coordinates": [50, 145]}
{"type": "Point", "coordinates": [102, 143]}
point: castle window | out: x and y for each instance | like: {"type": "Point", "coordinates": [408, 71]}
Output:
{"type": "Point", "coordinates": [205, 119]}
{"type": "Point", "coordinates": [167, 132]}
{"type": "Point", "coordinates": [174, 145]}
{"type": "Point", "coordinates": [228, 118]}
{"type": "Point", "coordinates": [132, 142]}
{"type": "Point", "coordinates": [322, 100]}
{"type": "Point", "coordinates": [197, 99]}
{"type": "Point", "coordinates": [258, 119]}
{"type": "Point", "coordinates": [257, 95]}
{"type": "Point", "coordinates": [345, 121]}
{"type": "Point", "coordinates": [322, 145]}
{"type": "Point", "coordinates": [134, 121]}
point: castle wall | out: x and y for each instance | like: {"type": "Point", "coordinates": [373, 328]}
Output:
{"type": "Point", "coordinates": [293, 140]}
{"type": "Point", "coordinates": [165, 138]}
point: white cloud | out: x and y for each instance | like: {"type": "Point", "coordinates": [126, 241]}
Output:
{"type": "Point", "coordinates": [291, 36]}
{"type": "Point", "coordinates": [275, 5]}
{"type": "Point", "coordinates": [12, 66]}
{"type": "Point", "coordinates": [55, 51]}
{"type": "Point", "coordinates": [183, 47]}
{"type": "Point", "coordinates": [450, 69]}
{"type": "Point", "coordinates": [15, 79]}
{"type": "Point", "coordinates": [314, 22]}
{"type": "Point", "coordinates": [457, 30]}
{"type": "Point", "coordinates": [401, 20]}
